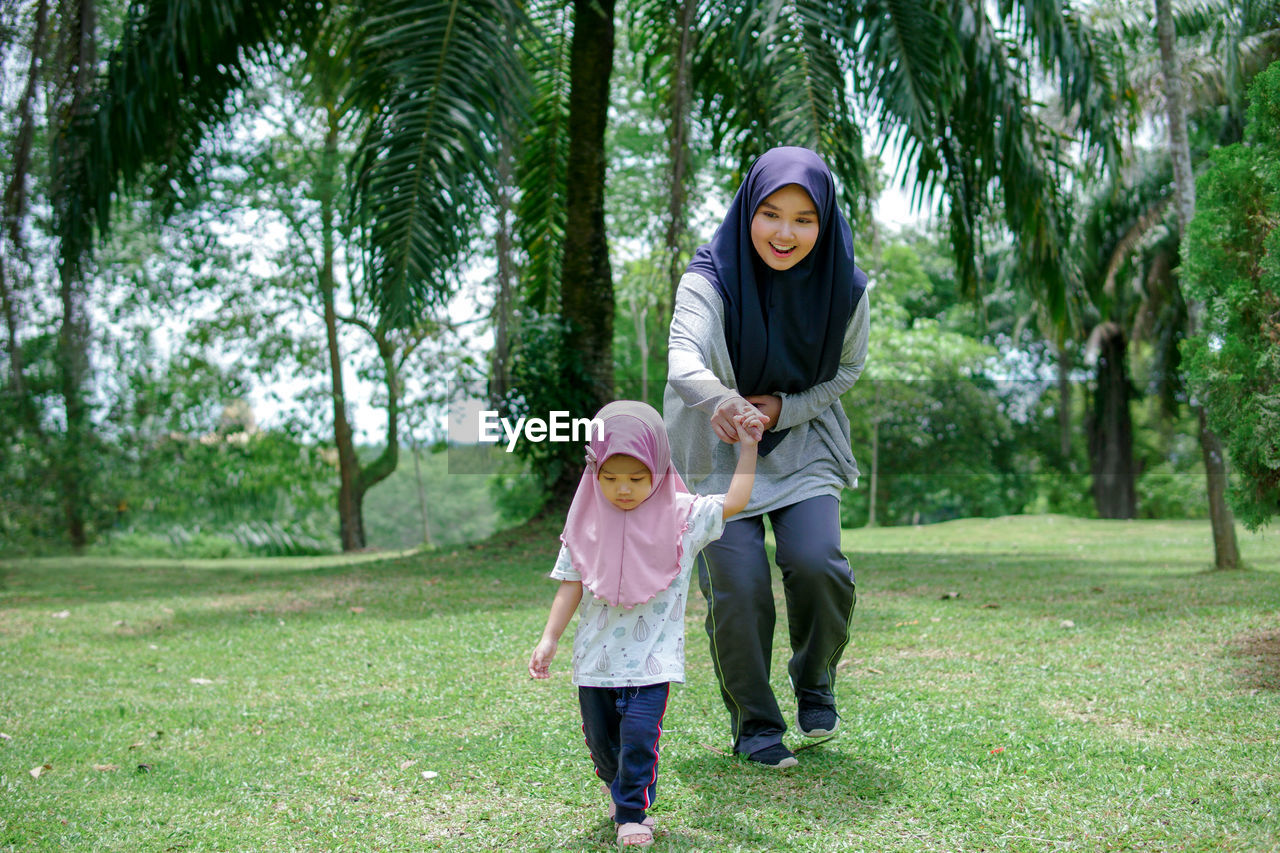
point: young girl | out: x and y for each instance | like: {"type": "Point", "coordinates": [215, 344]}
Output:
{"type": "Point", "coordinates": [630, 539]}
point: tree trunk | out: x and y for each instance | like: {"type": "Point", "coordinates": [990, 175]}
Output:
{"type": "Point", "coordinates": [678, 141]}
{"type": "Point", "coordinates": [640, 313]}
{"type": "Point", "coordinates": [504, 304]}
{"type": "Point", "coordinates": [1221, 518]}
{"type": "Point", "coordinates": [875, 472]}
{"type": "Point", "coordinates": [73, 334]}
{"type": "Point", "coordinates": [389, 459]}
{"type": "Point", "coordinates": [350, 518]}
{"type": "Point", "coordinates": [1064, 404]}
{"type": "Point", "coordinates": [13, 213]}
{"type": "Point", "coordinates": [586, 285]}
{"type": "Point", "coordinates": [1225, 549]}
{"type": "Point", "coordinates": [422, 492]}
{"type": "Point", "coordinates": [1175, 104]}
{"type": "Point", "coordinates": [1111, 429]}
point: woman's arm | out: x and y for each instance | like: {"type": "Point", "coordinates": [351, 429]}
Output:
{"type": "Point", "coordinates": [695, 321]}
{"type": "Point", "coordinates": [696, 328]}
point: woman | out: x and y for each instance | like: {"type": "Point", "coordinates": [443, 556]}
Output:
{"type": "Point", "coordinates": [772, 315]}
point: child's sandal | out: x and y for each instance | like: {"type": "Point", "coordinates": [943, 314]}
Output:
{"type": "Point", "coordinates": [634, 835]}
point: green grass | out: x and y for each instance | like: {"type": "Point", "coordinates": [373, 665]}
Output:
{"type": "Point", "coordinates": [1089, 686]}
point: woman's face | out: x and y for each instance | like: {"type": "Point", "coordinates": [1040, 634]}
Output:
{"type": "Point", "coordinates": [625, 481]}
{"type": "Point", "coordinates": [784, 228]}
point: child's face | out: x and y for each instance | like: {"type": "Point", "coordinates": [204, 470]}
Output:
{"type": "Point", "coordinates": [625, 481]}
{"type": "Point", "coordinates": [784, 228]}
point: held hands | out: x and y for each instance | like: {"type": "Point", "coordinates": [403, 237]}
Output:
{"type": "Point", "coordinates": [540, 660]}
{"type": "Point", "coordinates": [770, 406]}
{"type": "Point", "coordinates": [762, 409]}
{"type": "Point", "coordinates": [749, 429]}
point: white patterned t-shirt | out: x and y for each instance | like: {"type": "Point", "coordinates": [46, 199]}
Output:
{"type": "Point", "coordinates": [620, 647]}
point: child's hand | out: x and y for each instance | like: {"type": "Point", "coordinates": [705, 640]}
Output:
{"type": "Point", "coordinates": [750, 428]}
{"type": "Point", "coordinates": [540, 660]}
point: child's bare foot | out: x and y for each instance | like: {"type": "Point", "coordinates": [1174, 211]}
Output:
{"type": "Point", "coordinates": [634, 835]}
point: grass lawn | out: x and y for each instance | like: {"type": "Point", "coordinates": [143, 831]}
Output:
{"type": "Point", "coordinates": [1029, 683]}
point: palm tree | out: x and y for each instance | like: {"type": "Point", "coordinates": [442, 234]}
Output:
{"type": "Point", "coordinates": [165, 89]}
{"type": "Point", "coordinates": [1226, 551]}
{"type": "Point", "coordinates": [63, 58]}
{"type": "Point", "coordinates": [1128, 296]}
{"type": "Point", "coordinates": [440, 80]}
{"type": "Point", "coordinates": [1225, 45]}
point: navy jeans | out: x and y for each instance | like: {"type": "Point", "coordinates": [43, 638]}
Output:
{"type": "Point", "coordinates": [622, 726]}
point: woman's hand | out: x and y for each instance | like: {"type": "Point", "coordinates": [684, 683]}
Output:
{"type": "Point", "coordinates": [769, 406]}
{"type": "Point", "coordinates": [722, 421]}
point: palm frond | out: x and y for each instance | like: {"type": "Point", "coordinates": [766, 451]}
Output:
{"type": "Point", "coordinates": [164, 87]}
{"type": "Point", "coordinates": [775, 74]}
{"type": "Point", "coordinates": [434, 76]}
{"type": "Point", "coordinates": [542, 164]}
{"type": "Point", "coordinates": [664, 34]}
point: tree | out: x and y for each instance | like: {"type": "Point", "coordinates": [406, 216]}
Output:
{"type": "Point", "coordinates": [440, 81]}
{"type": "Point", "coordinates": [166, 88]}
{"type": "Point", "coordinates": [586, 283]}
{"type": "Point", "coordinates": [1226, 551]}
{"type": "Point", "coordinates": [1128, 296]}
{"type": "Point", "coordinates": [1233, 269]}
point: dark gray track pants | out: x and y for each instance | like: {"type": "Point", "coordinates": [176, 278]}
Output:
{"type": "Point", "coordinates": [735, 578]}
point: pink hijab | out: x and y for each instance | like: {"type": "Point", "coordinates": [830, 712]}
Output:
{"type": "Point", "coordinates": [649, 537]}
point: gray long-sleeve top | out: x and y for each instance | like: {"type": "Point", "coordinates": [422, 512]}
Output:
{"type": "Point", "coordinates": [814, 459]}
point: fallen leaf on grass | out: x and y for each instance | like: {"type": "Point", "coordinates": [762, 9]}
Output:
{"type": "Point", "coordinates": [429, 774]}
{"type": "Point", "coordinates": [1066, 623]}
{"type": "Point", "coordinates": [37, 772]}
{"type": "Point", "coordinates": [202, 681]}
{"type": "Point", "coordinates": [407, 763]}
{"type": "Point", "coordinates": [4, 736]}
{"type": "Point", "coordinates": [61, 614]}
{"type": "Point", "coordinates": [874, 671]}
{"type": "Point", "coordinates": [357, 609]}
{"type": "Point", "coordinates": [991, 607]}
{"type": "Point", "coordinates": [137, 745]}
{"type": "Point", "coordinates": [105, 768]}
{"type": "Point", "coordinates": [948, 595]}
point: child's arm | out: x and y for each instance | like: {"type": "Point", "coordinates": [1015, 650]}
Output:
{"type": "Point", "coordinates": [562, 606]}
{"type": "Point", "coordinates": [750, 428]}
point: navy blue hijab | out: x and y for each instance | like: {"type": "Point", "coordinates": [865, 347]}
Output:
{"type": "Point", "coordinates": [785, 330]}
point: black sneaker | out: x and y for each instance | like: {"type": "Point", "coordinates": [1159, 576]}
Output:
{"type": "Point", "coordinates": [817, 720]}
{"type": "Point", "coordinates": [776, 756]}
